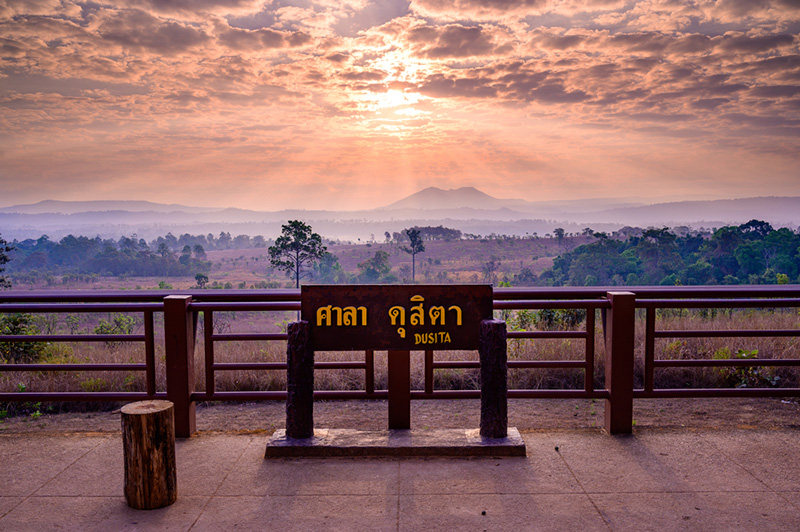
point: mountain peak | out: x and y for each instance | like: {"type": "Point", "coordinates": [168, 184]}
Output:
{"type": "Point", "coordinates": [435, 198]}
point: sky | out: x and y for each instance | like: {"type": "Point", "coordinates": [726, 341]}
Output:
{"type": "Point", "coordinates": [351, 104]}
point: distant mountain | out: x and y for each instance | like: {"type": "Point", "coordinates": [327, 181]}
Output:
{"type": "Point", "coordinates": [434, 198]}
{"type": "Point", "coordinates": [779, 211]}
{"type": "Point", "coordinates": [72, 207]}
{"type": "Point", "coordinates": [467, 209]}
{"type": "Point", "coordinates": [472, 199]}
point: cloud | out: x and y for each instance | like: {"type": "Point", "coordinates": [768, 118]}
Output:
{"type": "Point", "coordinates": [257, 40]}
{"type": "Point", "coordinates": [455, 41]}
{"type": "Point", "coordinates": [347, 91]}
{"type": "Point", "coordinates": [485, 10]}
{"type": "Point", "coordinates": [139, 31]}
{"type": "Point", "coordinates": [193, 8]}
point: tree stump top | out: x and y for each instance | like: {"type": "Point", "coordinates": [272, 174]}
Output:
{"type": "Point", "coordinates": [143, 408]}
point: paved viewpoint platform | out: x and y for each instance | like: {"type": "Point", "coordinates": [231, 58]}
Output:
{"type": "Point", "coordinates": [679, 479]}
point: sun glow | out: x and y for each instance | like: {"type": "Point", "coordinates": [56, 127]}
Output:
{"type": "Point", "coordinates": [394, 98]}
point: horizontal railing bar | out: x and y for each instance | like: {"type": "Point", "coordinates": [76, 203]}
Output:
{"type": "Point", "coordinates": [233, 337]}
{"type": "Point", "coordinates": [470, 364]}
{"type": "Point", "coordinates": [245, 305]}
{"type": "Point", "coordinates": [271, 294]}
{"type": "Point", "coordinates": [550, 304]}
{"type": "Point", "coordinates": [446, 394]}
{"type": "Point", "coordinates": [736, 362]}
{"type": "Point", "coordinates": [579, 364]}
{"type": "Point", "coordinates": [513, 335]}
{"type": "Point", "coordinates": [78, 396]}
{"type": "Point", "coordinates": [716, 303]}
{"type": "Point", "coordinates": [665, 393]}
{"type": "Point", "coordinates": [319, 395]}
{"type": "Point", "coordinates": [671, 292]}
{"type": "Point", "coordinates": [149, 295]}
{"type": "Point", "coordinates": [81, 307]}
{"type": "Point", "coordinates": [72, 367]}
{"type": "Point", "coordinates": [73, 338]}
{"type": "Point", "coordinates": [233, 366]}
{"type": "Point", "coordinates": [272, 395]}
{"type": "Point", "coordinates": [340, 365]}
{"type": "Point", "coordinates": [457, 364]}
{"type": "Point", "coordinates": [733, 333]}
{"type": "Point", "coordinates": [342, 395]}
{"type": "Point", "coordinates": [500, 294]}
{"type": "Point", "coordinates": [558, 394]}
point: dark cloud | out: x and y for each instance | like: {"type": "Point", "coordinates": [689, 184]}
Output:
{"type": "Point", "coordinates": [194, 6]}
{"type": "Point", "coordinates": [256, 40]}
{"type": "Point", "coordinates": [338, 57]}
{"type": "Point", "coordinates": [453, 41]}
{"type": "Point", "coordinates": [775, 91]}
{"type": "Point", "coordinates": [365, 75]}
{"type": "Point", "coordinates": [709, 104]}
{"type": "Point", "coordinates": [744, 119]}
{"type": "Point", "coordinates": [755, 44]}
{"type": "Point", "coordinates": [556, 93]}
{"type": "Point", "coordinates": [500, 9]}
{"type": "Point", "coordinates": [140, 31]}
{"type": "Point", "coordinates": [440, 86]}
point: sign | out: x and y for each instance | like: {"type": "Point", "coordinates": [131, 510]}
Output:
{"type": "Point", "coordinates": [397, 317]}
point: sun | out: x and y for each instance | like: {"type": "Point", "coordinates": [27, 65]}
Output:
{"type": "Point", "coordinates": [394, 98]}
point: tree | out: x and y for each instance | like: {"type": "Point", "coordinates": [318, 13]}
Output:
{"type": "Point", "coordinates": [296, 248]}
{"type": "Point", "coordinates": [417, 246]}
{"type": "Point", "coordinates": [202, 280]}
{"type": "Point", "coordinates": [558, 232]}
{"type": "Point", "coordinates": [5, 249]}
{"type": "Point", "coordinates": [375, 269]}
{"type": "Point", "coordinates": [328, 270]}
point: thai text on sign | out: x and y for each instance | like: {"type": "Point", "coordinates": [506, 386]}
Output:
{"type": "Point", "coordinates": [440, 317]}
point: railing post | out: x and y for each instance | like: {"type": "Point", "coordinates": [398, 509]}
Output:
{"type": "Point", "coordinates": [494, 379]}
{"type": "Point", "coordinates": [619, 337]}
{"type": "Point", "coordinates": [299, 382]}
{"type": "Point", "coordinates": [180, 325]}
{"type": "Point", "coordinates": [399, 388]}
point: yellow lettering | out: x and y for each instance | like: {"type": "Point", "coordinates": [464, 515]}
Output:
{"type": "Point", "coordinates": [397, 312]}
{"type": "Point", "coordinates": [458, 313]}
{"type": "Point", "coordinates": [324, 313]}
{"type": "Point", "coordinates": [401, 332]}
{"type": "Point", "coordinates": [417, 311]}
{"type": "Point", "coordinates": [437, 315]}
{"type": "Point", "coordinates": [417, 339]}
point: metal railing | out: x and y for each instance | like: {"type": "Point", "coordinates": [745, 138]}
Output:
{"type": "Point", "coordinates": [618, 309]}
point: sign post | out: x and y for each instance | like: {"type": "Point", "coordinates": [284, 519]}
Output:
{"type": "Point", "coordinates": [398, 319]}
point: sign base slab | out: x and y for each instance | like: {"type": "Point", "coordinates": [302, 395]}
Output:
{"type": "Point", "coordinates": [348, 442]}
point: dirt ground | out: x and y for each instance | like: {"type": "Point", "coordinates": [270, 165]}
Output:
{"type": "Point", "coordinates": [525, 414]}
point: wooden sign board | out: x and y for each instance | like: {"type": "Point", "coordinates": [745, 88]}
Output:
{"type": "Point", "coordinates": [396, 317]}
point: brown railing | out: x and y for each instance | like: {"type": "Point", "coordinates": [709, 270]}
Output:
{"type": "Point", "coordinates": [33, 306]}
{"type": "Point", "coordinates": [618, 309]}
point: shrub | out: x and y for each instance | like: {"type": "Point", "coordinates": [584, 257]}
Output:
{"type": "Point", "coordinates": [119, 324]}
{"type": "Point", "coordinates": [19, 352]}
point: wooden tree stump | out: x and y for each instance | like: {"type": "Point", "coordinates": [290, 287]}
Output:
{"type": "Point", "coordinates": [148, 436]}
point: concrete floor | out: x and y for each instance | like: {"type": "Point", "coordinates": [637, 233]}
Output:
{"type": "Point", "coordinates": [577, 480]}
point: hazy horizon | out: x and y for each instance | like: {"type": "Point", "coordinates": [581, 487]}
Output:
{"type": "Point", "coordinates": [631, 199]}
{"type": "Point", "coordinates": [348, 105]}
